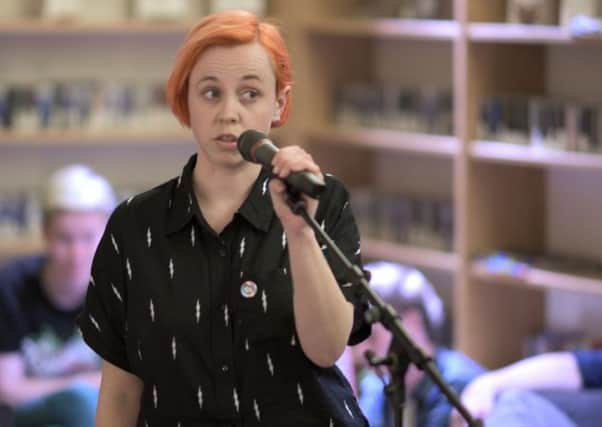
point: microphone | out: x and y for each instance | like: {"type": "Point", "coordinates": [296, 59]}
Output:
{"type": "Point", "coordinates": [257, 148]}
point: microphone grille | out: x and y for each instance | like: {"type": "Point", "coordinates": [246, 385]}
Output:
{"type": "Point", "coordinates": [246, 142]}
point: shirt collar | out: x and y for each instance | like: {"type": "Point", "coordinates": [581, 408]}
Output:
{"type": "Point", "coordinates": [256, 209]}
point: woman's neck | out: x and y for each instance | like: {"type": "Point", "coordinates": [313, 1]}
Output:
{"type": "Point", "coordinates": [214, 184]}
{"type": "Point", "coordinates": [221, 191]}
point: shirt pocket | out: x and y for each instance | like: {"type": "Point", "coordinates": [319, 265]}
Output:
{"type": "Point", "coordinates": [266, 306]}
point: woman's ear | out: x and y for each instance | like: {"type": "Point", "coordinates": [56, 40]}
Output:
{"type": "Point", "coordinates": [282, 99]}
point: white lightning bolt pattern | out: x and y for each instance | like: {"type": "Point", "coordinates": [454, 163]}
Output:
{"type": "Point", "coordinates": [256, 408]}
{"type": "Point", "coordinates": [331, 424]}
{"type": "Point", "coordinates": [155, 396]}
{"type": "Point", "coordinates": [358, 251]}
{"type": "Point", "coordinates": [247, 344]}
{"type": "Point", "coordinates": [323, 247]}
{"type": "Point", "coordinates": [293, 341]}
{"type": "Point", "coordinates": [173, 347]}
{"type": "Point", "coordinates": [197, 311]}
{"type": "Point", "coordinates": [284, 271]}
{"type": "Point", "coordinates": [236, 402]}
{"type": "Point", "coordinates": [264, 301]}
{"type": "Point", "coordinates": [189, 202]}
{"type": "Point", "coordinates": [139, 351]}
{"type": "Point", "coordinates": [171, 268]}
{"type": "Point", "coordinates": [94, 322]}
{"type": "Point", "coordinates": [179, 180]}
{"type": "Point", "coordinates": [300, 393]}
{"type": "Point", "coordinates": [348, 410]}
{"type": "Point", "coordinates": [242, 247]}
{"type": "Point", "coordinates": [283, 240]}
{"type": "Point", "coordinates": [152, 310]}
{"type": "Point", "coordinates": [92, 282]}
{"type": "Point", "coordinates": [323, 225]}
{"type": "Point", "coordinates": [199, 396]}
{"type": "Point", "coordinates": [149, 238]}
{"type": "Point", "coordinates": [129, 200]}
{"type": "Point", "coordinates": [192, 235]}
{"type": "Point", "coordinates": [128, 268]}
{"type": "Point", "coordinates": [116, 292]}
{"type": "Point", "coordinates": [264, 188]}
{"type": "Point", "coordinates": [270, 364]}
{"type": "Point", "coordinates": [115, 244]}
{"type": "Point", "coordinates": [345, 205]}
{"type": "Point", "coordinates": [226, 315]}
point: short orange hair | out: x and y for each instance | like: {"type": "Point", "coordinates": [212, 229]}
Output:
{"type": "Point", "coordinates": [224, 29]}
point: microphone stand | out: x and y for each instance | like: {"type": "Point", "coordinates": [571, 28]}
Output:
{"type": "Point", "coordinates": [408, 351]}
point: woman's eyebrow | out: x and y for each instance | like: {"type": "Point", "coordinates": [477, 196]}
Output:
{"type": "Point", "coordinates": [251, 77]}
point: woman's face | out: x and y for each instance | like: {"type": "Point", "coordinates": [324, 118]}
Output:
{"type": "Point", "coordinates": [231, 89]}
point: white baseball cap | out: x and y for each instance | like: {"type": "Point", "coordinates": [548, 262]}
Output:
{"type": "Point", "coordinates": [78, 188]}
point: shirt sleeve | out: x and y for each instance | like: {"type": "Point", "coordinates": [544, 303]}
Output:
{"type": "Point", "coordinates": [102, 320]}
{"type": "Point", "coordinates": [339, 224]}
{"type": "Point", "coordinates": [10, 330]}
{"type": "Point", "coordinates": [590, 366]}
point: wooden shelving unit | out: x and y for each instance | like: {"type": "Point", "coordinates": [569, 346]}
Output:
{"type": "Point", "coordinates": [494, 32]}
{"type": "Point", "coordinates": [53, 137]}
{"type": "Point", "coordinates": [69, 28]}
{"type": "Point", "coordinates": [540, 279]}
{"type": "Point", "coordinates": [444, 30]}
{"type": "Point", "coordinates": [13, 249]}
{"type": "Point", "coordinates": [513, 154]}
{"type": "Point", "coordinates": [499, 190]}
{"type": "Point", "coordinates": [388, 140]}
{"type": "Point", "coordinates": [410, 255]}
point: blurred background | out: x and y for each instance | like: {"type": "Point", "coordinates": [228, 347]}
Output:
{"type": "Point", "coordinates": [469, 133]}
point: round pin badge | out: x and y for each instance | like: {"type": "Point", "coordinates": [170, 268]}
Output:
{"type": "Point", "coordinates": [248, 289]}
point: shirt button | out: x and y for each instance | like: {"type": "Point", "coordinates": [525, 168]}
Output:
{"type": "Point", "coordinates": [225, 368]}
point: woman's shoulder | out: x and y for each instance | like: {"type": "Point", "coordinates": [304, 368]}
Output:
{"type": "Point", "coordinates": [335, 186]}
{"type": "Point", "coordinates": [151, 202]}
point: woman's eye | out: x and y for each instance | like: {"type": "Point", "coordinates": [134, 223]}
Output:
{"type": "Point", "coordinates": [210, 93]}
{"type": "Point", "coordinates": [250, 95]}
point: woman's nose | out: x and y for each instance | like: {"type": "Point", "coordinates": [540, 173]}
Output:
{"type": "Point", "coordinates": [229, 112]}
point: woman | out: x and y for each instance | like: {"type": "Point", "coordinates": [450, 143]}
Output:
{"type": "Point", "coordinates": [210, 302]}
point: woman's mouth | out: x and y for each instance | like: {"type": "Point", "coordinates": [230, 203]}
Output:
{"type": "Point", "coordinates": [226, 138]}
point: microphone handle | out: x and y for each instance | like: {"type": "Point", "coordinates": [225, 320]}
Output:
{"type": "Point", "coordinates": [303, 181]}
{"type": "Point", "coordinates": [306, 183]}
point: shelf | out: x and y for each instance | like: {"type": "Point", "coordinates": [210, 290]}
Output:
{"type": "Point", "coordinates": [383, 139]}
{"type": "Point", "coordinates": [53, 138]}
{"type": "Point", "coordinates": [410, 255]}
{"type": "Point", "coordinates": [524, 34]}
{"type": "Point", "coordinates": [9, 250]}
{"type": "Point", "coordinates": [543, 279]}
{"type": "Point", "coordinates": [499, 152]}
{"type": "Point", "coordinates": [413, 29]}
{"type": "Point", "coordinates": [50, 28]}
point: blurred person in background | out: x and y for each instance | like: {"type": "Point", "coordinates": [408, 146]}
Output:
{"type": "Point", "coordinates": [48, 375]}
{"type": "Point", "coordinates": [421, 311]}
{"type": "Point", "coordinates": [546, 390]}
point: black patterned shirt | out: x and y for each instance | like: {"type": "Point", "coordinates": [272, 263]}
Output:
{"type": "Point", "coordinates": [206, 320]}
